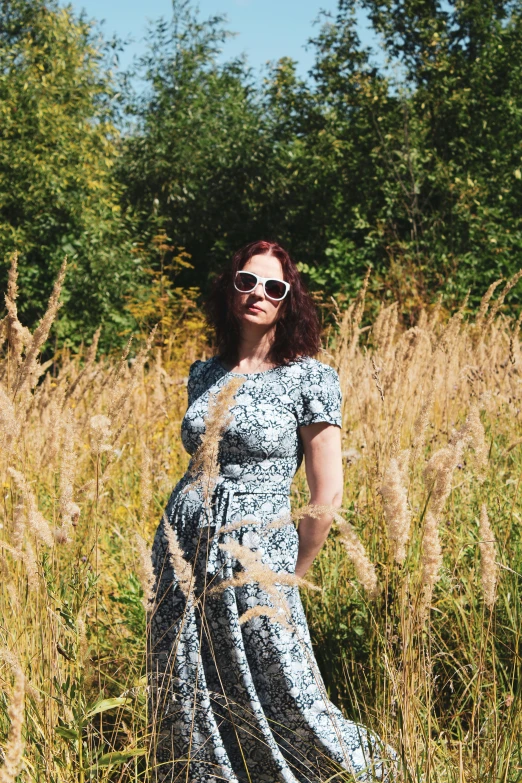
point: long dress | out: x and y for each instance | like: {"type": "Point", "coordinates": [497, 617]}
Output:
{"type": "Point", "coordinates": [245, 702]}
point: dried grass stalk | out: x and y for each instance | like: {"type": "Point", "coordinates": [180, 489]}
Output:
{"type": "Point", "coordinates": [145, 572]}
{"type": "Point", "coordinates": [72, 391]}
{"type": "Point", "coordinates": [431, 554]}
{"type": "Point", "coordinates": [31, 564]}
{"type": "Point", "coordinates": [364, 568]}
{"type": "Point", "coordinates": [275, 615]}
{"type": "Point", "coordinates": [484, 305]}
{"type": "Point", "coordinates": [230, 528]}
{"type": "Point", "coordinates": [119, 401]}
{"type": "Point", "coordinates": [204, 463]}
{"type": "Point", "coordinates": [395, 498]}
{"type": "Point", "coordinates": [13, 752]}
{"type": "Point", "coordinates": [145, 482]}
{"type": "Point", "coordinates": [9, 424]}
{"type": "Point", "coordinates": [421, 422]}
{"type": "Point", "coordinates": [514, 341]}
{"type": "Point", "coordinates": [255, 571]}
{"type": "Point", "coordinates": [69, 511]}
{"type": "Point", "coordinates": [28, 372]}
{"type": "Point", "coordinates": [488, 558]}
{"type": "Point", "coordinates": [450, 333]}
{"type": "Point", "coordinates": [101, 433]}
{"type": "Point", "coordinates": [438, 474]}
{"type": "Point", "coordinates": [35, 519]}
{"type": "Point", "coordinates": [473, 433]}
{"type": "Point", "coordinates": [500, 301]}
{"type": "Point", "coordinates": [18, 336]}
{"type": "Point", "coordinates": [182, 570]}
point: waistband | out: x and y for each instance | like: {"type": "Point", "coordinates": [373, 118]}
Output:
{"type": "Point", "coordinates": [239, 479]}
{"type": "Point", "coordinates": [273, 487]}
{"type": "Point", "coordinates": [223, 492]}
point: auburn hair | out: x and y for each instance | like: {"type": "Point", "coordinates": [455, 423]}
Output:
{"type": "Point", "coordinates": [297, 331]}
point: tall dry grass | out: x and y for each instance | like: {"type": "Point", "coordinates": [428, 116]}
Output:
{"type": "Point", "coordinates": [417, 622]}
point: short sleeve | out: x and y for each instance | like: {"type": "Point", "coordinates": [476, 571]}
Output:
{"type": "Point", "coordinates": [193, 381]}
{"type": "Point", "coordinates": [321, 397]}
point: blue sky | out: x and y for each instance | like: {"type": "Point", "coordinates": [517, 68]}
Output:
{"type": "Point", "coordinates": [267, 29]}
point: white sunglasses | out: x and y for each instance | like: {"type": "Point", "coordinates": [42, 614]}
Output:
{"type": "Point", "coordinates": [275, 289]}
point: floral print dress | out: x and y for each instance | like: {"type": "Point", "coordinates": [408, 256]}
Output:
{"type": "Point", "coordinates": [245, 703]}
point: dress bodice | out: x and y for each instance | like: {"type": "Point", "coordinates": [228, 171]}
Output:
{"type": "Point", "coordinates": [263, 443]}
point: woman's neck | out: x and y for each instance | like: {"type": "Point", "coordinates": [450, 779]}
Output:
{"type": "Point", "coordinates": [253, 351]}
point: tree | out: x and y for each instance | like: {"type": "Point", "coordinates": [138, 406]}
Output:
{"type": "Point", "coordinates": [428, 166]}
{"type": "Point", "coordinates": [194, 162]}
{"type": "Point", "coordinates": [58, 148]}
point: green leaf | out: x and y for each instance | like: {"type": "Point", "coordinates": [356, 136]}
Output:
{"type": "Point", "coordinates": [107, 704]}
{"type": "Point", "coordinates": [66, 733]}
{"type": "Point", "coordinates": [117, 757]}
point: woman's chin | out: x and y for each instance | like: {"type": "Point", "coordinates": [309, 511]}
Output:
{"type": "Point", "coordinates": [253, 318]}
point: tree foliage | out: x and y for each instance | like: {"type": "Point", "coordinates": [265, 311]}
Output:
{"type": "Point", "coordinates": [410, 166]}
{"type": "Point", "coordinates": [416, 175]}
{"type": "Point", "coordinates": [58, 146]}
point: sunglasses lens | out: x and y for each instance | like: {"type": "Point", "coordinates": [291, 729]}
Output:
{"type": "Point", "coordinates": [245, 281]}
{"type": "Point", "coordinates": [275, 289]}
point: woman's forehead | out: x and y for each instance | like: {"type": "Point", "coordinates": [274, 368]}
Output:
{"type": "Point", "coordinates": [264, 266]}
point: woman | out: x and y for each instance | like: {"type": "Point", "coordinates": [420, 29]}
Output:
{"type": "Point", "coordinates": [245, 701]}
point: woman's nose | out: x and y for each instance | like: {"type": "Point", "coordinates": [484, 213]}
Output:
{"type": "Point", "coordinates": [259, 290]}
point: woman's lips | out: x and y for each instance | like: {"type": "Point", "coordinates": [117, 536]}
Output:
{"type": "Point", "coordinates": [254, 307]}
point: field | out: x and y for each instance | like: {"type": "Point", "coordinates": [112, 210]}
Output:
{"type": "Point", "coordinates": [432, 444]}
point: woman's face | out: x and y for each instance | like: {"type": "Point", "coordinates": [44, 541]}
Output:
{"type": "Point", "coordinates": [255, 307]}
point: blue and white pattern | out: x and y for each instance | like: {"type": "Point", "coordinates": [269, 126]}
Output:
{"type": "Point", "coordinates": [245, 703]}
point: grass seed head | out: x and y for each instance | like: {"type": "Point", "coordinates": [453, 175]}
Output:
{"type": "Point", "coordinates": [396, 512]}
{"type": "Point", "coordinates": [205, 464]}
{"type": "Point", "coordinates": [35, 519]}
{"type": "Point", "coordinates": [182, 570]}
{"type": "Point", "coordinates": [364, 568]}
{"type": "Point", "coordinates": [145, 572]}
{"type": "Point", "coordinates": [488, 557]}
{"type": "Point", "coordinates": [101, 434]}
{"type": "Point", "coordinates": [13, 752]}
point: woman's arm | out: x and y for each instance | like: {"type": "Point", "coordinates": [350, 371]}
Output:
{"type": "Point", "coordinates": [324, 473]}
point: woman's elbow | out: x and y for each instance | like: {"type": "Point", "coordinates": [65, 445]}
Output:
{"type": "Point", "coordinates": [334, 499]}
{"type": "Point", "coordinates": [337, 500]}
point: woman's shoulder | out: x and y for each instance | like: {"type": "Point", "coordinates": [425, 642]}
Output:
{"type": "Point", "coordinates": [202, 374]}
{"type": "Point", "coordinates": [200, 370]}
{"type": "Point", "coordinates": [313, 369]}
{"type": "Point", "coordinates": [202, 366]}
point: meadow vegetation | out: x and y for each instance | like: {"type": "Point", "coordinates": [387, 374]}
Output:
{"type": "Point", "coordinates": [417, 622]}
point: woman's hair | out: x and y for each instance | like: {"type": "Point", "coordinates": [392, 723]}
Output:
{"type": "Point", "coordinates": [297, 331]}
